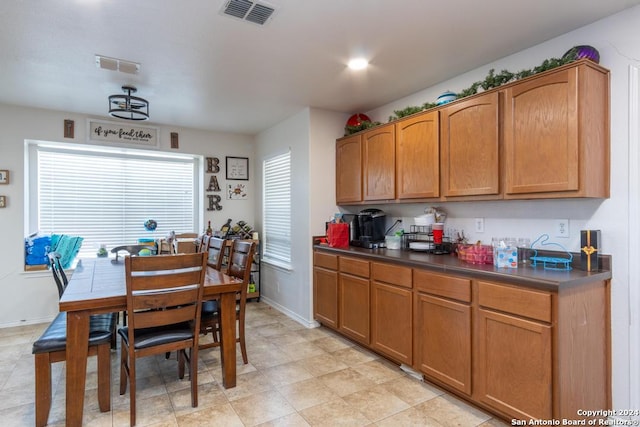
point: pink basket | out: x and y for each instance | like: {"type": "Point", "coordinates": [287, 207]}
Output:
{"type": "Point", "coordinates": [476, 254]}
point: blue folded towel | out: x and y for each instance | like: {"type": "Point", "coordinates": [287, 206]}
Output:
{"type": "Point", "coordinates": [36, 250]}
{"type": "Point", "coordinates": [67, 247]}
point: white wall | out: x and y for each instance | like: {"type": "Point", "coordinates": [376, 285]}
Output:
{"type": "Point", "coordinates": [311, 136]}
{"type": "Point", "coordinates": [618, 40]}
{"type": "Point", "coordinates": [31, 297]}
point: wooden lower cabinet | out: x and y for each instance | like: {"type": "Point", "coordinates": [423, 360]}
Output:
{"type": "Point", "coordinates": [325, 288]}
{"type": "Point", "coordinates": [443, 341]}
{"type": "Point", "coordinates": [325, 296]}
{"type": "Point", "coordinates": [354, 299]}
{"type": "Point", "coordinates": [519, 351]}
{"type": "Point", "coordinates": [442, 329]}
{"type": "Point", "coordinates": [354, 307]}
{"type": "Point", "coordinates": [391, 321]}
{"type": "Point", "coordinates": [513, 372]}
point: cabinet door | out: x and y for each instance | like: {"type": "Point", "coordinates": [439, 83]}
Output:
{"type": "Point", "coordinates": [418, 157]}
{"type": "Point", "coordinates": [349, 170]}
{"type": "Point", "coordinates": [325, 296]}
{"type": "Point", "coordinates": [514, 365]}
{"type": "Point", "coordinates": [354, 307]}
{"type": "Point", "coordinates": [541, 134]}
{"type": "Point", "coordinates": [443, 341]}
{"type": "Point", "coordinates": [379, 163]}
{"type": "Point", "coordinates": [391, 321]}
{"type": "Point", "coordinates": [470, 147]}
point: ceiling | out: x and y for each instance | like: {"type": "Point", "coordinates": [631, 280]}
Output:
{"type": "Point", "coordinates": [202, 69]}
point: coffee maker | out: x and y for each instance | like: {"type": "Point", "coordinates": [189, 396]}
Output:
{"type": "Point", "coordinates": [369, 232]}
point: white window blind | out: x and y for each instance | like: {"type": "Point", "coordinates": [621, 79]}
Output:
{"type": "Point", "coordinates": [277, 208]}
{"type": "Point", "coordinates": [106, 197]}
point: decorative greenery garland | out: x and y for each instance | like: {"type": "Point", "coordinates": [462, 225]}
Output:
{"type": "Point", "coordinates": [491, 81]}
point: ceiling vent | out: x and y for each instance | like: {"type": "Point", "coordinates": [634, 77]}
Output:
{"type": "Point", "coordinates": [248, 10]}
{"type": "Point", "coordinates": [115, 64]}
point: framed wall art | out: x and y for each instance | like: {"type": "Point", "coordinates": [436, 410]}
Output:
{"type": "Point", "coordinates": [3, 201]}
{"type": "Point", "coordinates": [4, 176]}
{"type": "Point", "coordinates": [238, 168]}
{"type": "Point", "coordinates": [237, 191]}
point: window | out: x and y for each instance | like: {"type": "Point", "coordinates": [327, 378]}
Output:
{"type": "Point", "coordinates": [277, 209]}
{"type": "Point", "coordinates": [105, 196]}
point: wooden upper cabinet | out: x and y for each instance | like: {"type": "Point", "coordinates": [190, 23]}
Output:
{"type": "Point", "coordinates": [349, 170]}
{"type": "Point", "coordinates": [378, 149]}
{"type": "Point", "coordinates": [418, 157]}
{"type": "Point", "coordinates": [470, 147]}
{"type": "Point", "coordinates": [556, 134]}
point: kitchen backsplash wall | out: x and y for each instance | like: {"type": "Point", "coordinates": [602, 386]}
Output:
{"type": "Point", "coordinates": [530, 218]}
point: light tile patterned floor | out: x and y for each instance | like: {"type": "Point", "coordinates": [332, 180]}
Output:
{"type": "Point", "coordinates": [295, 377]}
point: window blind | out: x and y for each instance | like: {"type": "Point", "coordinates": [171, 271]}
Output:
{"type": "Point", "coordinates": [277, 208]}
{"type": "Point", "coordinates": [106, 197]}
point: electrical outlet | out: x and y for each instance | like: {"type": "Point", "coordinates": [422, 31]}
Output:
{"type": "Point", "coordinates": [561, 227]}
{"type": "Point", "coordinates": [479, 222]}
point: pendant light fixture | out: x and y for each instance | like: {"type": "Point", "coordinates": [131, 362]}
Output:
{"type": "Point", "coordinates": [127, 106]}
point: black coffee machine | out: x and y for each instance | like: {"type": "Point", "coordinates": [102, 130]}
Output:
{"type": "Point", "coordinates": [368, 228]}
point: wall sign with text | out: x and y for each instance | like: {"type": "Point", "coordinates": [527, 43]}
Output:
{"type": "Point", "coordinates": [101, 131]}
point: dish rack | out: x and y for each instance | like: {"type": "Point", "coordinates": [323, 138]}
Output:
{"type": "Point", "coordinates": [420, 238]}
{"type": "Point", "coordinates": [548, 262]}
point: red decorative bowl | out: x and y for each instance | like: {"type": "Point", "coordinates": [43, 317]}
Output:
{"type": "Point", "coordinates": [357, 119]}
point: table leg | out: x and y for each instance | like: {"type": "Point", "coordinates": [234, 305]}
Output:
{"type": "Point", "coordinates": [228, 339]}
{"type": "Point", "coordinates": [77, 349]}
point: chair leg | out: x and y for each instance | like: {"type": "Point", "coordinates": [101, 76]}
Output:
{"type": "Point", "coordinates": [181, 357]}
{"type": "Point", "coordinates": [193, 375]}
{"type": "Point", "coordinates": [132, 391]}
{"type": "Point", "coordinates": [243, 345]}
{"type": "Point", "coordinates": [104, 377]}
{"type": "Point", "coordinates": [114, 333]}
{"type": "Point", "coordinates": [124, 370]}
{"type": "Point", "coordinates": [43, 388]}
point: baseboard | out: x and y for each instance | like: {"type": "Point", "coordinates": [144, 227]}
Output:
{"type": "Point", "coordinates": [47, 319]}
{"type": "Point", "coordinates": [294, 316]}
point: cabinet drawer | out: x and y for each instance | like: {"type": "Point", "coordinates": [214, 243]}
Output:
{"type": "Point", "coordinates": [393, 274]}
{"type": "Point", "coordinates": [523, 302]}
{"type": "Point", "coordinates": [329, 261]}
{"type": "Point", "coordinates": [357, 267]}
{"type": "Point", "coordinates": [445, 286]}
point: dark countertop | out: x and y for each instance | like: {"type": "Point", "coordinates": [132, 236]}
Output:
{"type": "Point", "coordinates": [525, 274]}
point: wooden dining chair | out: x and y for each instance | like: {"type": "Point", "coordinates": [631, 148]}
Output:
{"type": "Point", "coordinates": [164, 299]}
{"type": "Point", "coordinates": [51, 347]}
{"type": "Point", "coordinates": [204, 243]}
{"type": "Point", "coordinates": [216, 249]}
{"type": "Point", "coordinates": [239, 266]}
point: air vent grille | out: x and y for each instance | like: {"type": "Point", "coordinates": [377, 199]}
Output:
{"type": "Point", "coordinates": [250, 11]}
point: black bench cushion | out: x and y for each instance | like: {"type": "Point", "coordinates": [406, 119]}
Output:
{"type": "Point", "coordinates": [54, 338]}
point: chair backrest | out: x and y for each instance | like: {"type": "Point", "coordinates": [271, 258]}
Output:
{"type": "Point", "coordinates": [216, 250]}
{"type": "Point", "coordinates": [240, 259]}
{"type": "Point", "coordinates": [58, 272]}
{"type": "Point", "coordinates": [204, 243]}
{"type": "Point", "coordinates": [164, 290]}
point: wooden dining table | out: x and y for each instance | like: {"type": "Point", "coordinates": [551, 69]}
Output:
{"type": "Point", "coordinates": [98, 286]}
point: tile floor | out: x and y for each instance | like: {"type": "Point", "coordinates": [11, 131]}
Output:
{"type": "Point", "coordinates": [295, 377]}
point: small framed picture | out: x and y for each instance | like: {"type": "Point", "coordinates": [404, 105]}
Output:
{"type": "Point", "coordinates": [238, 168]}
{"type": "Point", "coordinates": [3, 201]}
{"type": "Point", "coordinates": [4, 176]}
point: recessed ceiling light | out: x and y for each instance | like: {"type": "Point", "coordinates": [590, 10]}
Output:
{"type": "Point", "coordinates": [358, 64]}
